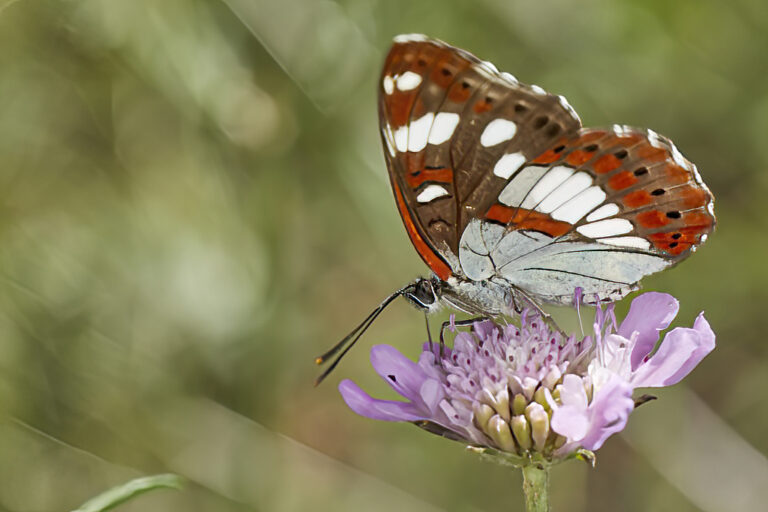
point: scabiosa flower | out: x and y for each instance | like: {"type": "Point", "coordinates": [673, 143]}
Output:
{"type": "Point", "coordinates": [530, 392]}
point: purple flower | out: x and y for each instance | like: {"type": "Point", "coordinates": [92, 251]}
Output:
{"type": "Point", "coordinates": [529, 390]}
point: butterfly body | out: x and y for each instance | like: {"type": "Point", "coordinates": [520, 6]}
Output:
{"type": "Point", "coordinates": [506, 196]}
{"type": "Point", "coordinates": [489, 297]}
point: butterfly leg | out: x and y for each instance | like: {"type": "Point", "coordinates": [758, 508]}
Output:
{"type": "Point", "coordinates": [531, 302]}
{"type": "Point", "coordinates": [546, 317]}
{"type": "Point", "coordinates": [429, 334]}
{"type": "Point", "coordinates": [460, 323]}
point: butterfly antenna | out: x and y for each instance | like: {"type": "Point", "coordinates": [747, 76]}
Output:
{"type": "Point", "coordinates": [323, 358]}
{"type": "Point", "coordinates": [355, 335]}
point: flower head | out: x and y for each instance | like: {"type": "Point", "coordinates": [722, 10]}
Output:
{"type": "Point", "coordinates": [529, 390]}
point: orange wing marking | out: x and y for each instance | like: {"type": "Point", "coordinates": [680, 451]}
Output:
{"type": "Point", "coordinates": [443, 175]}
{"type": "Point", "coordinates": [435, 262]}
{"type": "Point", "coordinates": [520, 218]}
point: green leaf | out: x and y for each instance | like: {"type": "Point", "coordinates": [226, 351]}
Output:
{"type": "Point", "coordinates": [122, 493]}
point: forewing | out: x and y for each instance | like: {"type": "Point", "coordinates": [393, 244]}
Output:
{"type": "Point", "coordinates": [455, 129]}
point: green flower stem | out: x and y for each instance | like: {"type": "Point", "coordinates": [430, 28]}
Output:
{"type": "Point", "coordinates": [536, 488]}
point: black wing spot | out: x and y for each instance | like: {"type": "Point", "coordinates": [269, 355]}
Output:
{"type": "Point", "coordinates": [621, 154]}
{"type": "Point", "coordinates": [673, 245]}
{"type": "Point", "coordinates": [559, 148]}
{"type": "Point", "coordinates": [464, 85]}
{"type": "Point", "coordinates": [540, 122]}
{"type": "Point", "coordinates": [591, 148]}
{"type": "Point", "coordinates": [494, 221]}
{"type": "Point", "coordinates": [422, 62]}
{"type": "Point", "coordinates": [673, 215]}
{"type": "Point", "coordinates": [488, 99]}
{"type": "Point", "coordinates": [520, 108]}
{"type": "Point", "coordinates": [658, 192]}
{"type": "Point", "coordinates": [553, 129]}
{"type": "Point", "coordinates": [641, 171]}
{"type": "Point", "coordinates": [676, 236]}
{"type": "Point", "coordinates": [446, 72]}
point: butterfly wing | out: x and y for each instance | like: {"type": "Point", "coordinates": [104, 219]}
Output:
{"type": "Point", "coordinates": [496, 180]}
{"type": "Point", "coordinates": [598, 211]}
{"type": "Point", "coordinates": [446, 119]}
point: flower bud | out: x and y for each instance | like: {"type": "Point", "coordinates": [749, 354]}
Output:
{"type": "Point", "coordinates": [541, 398]}
{"type": "Point", "coordinates": [529, 386]}
{"type": "Point", "coordinates": [483, 413]}
{"type": "Point", "coordinates": [522, 430]}
{"type": "Point", "coordinates": [499, 431]}
{"type": "Point", "coordinates": [552, 378]}
{"type": "Point", "coordinates": [501, 404]}
{"type": "Point", "coordinates": [518, 404]}
{"type": "Point", "coordinates": [539, 420]}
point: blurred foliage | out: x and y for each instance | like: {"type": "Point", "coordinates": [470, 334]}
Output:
{"type": "Point", "coordinates": [194, 205]}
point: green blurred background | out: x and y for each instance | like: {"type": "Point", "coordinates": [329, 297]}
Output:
{"type": "Point", "coordinates": [195, 204]}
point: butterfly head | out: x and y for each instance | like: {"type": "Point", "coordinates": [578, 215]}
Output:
{"type": "Point", "coordinates": [424, 294]}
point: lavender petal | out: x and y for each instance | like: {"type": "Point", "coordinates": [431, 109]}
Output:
{"type": "Point", "coordinates": [649, 314]}
{"type": "Point", "coordinates": [682, 349]}
{"type": "Point", "coordinates": [387, 410]}
{"type": "Point", "coordinates": [431, 394]}
{"type": "Point", "coordinates": [609, 412]}
{"type": "Point", "coordinates": [405, 376]}
{"type": "Point", "coordinates": [446, 350]}
{"type": "Point", "coordinates": [571, 422]}
{"type": "Point", "coordinates": [572, 392]}
{"type": "Point", "coordinates": [484, 329]}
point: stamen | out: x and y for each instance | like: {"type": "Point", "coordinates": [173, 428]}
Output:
{"type": "Point", "coordinates": [612, 314]}
{"type": "Point", "coordinates": [577, 298]}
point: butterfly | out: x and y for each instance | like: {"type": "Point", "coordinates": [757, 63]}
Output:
{"type": "Point", "coordinates": [510, 201]}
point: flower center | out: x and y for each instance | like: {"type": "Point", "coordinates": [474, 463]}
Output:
{"type": "Point", "coordinates": [507, 380]}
